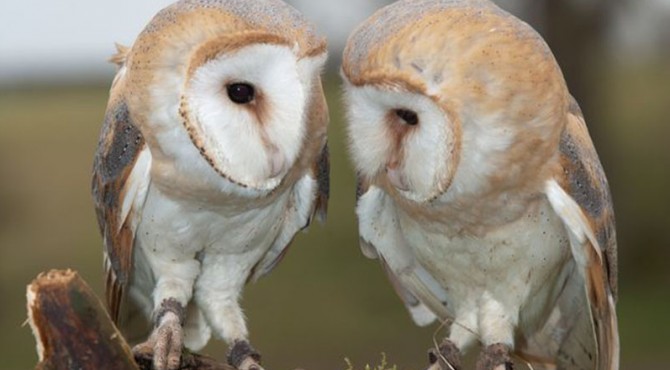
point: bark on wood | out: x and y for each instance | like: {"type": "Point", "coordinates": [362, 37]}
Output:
{"type": "Point", "coordinates": [73, 330]}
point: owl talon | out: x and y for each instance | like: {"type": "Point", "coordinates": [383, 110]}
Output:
{"type": "Point", "coordinates": [164, 346]}
{"type": "Point", "coordinates": [143, 354]}
{"type": "Point", "coordinates": [244, 357]}
{"type": "Point", "coordinates": [495, 357]}
{"type": "Point", "coordinates": [249, 364]}
{"type": "Point", "coordinates": [448, 357]}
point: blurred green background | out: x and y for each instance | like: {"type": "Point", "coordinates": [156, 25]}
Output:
{"type": "Point", "coordinates": [325, 301]}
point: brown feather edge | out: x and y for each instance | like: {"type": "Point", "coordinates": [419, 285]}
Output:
{"type": "Point", "coordinates": [118, 149]}
{"type": "Point", "coordinates": [603, 312]}
{"type": "Point", "coordinates": [321, 169]}
{"type": "Point", "coordinates": [584, 180]}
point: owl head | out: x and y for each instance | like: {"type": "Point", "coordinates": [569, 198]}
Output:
{"type": "Point", "coordinates": [223, 91]}
{"type": "Point", "coordinates": [447, 97]}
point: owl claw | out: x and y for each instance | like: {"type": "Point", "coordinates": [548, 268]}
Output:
{"type": "Point", "coordinates": [164, 345]}
{"type": "Point", "coordinates": [168, 345]}
{"type": "Point", "coordinates": [249, 364]}
{"type": "Point", "coordinates": [244, 357]}
{"type": "Point", "coordinates": [448, 357]}
{"type": "Point", "coordinates": [495, 357]}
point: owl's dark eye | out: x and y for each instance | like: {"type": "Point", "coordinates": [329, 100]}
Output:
{"type": "Point", "coordinates": [408, 116]}
{"type": "Point", "coordinates": [241, 93]}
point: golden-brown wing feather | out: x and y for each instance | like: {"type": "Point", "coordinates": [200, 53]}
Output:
{"type": "Point", "coordinates": [584, 322]}
{"type": "Point", "coordinates": [584, 180]}
{"type": "Point", "coordinates": [582, 331]}
{"type": "Point", "coordinates": [119, 147]}
{"type": "Point", "coordinates": [322, 170]}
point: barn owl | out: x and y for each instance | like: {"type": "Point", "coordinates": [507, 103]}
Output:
{"type": "Point", "coordinates": [479, 188]}
{"type": "Point", "coordinates": [212, 156]}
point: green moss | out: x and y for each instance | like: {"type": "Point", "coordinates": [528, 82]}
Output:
{"type": "Point", "coordinates": [383, 365]}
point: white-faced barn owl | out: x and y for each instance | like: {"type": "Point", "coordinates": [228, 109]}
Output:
{"type": "Point", "coordinates": [480, 190]}
{"type": "Point", "coordinates": [212, 156]}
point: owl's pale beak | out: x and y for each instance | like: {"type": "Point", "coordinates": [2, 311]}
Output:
{"type": "Point", "coordinates": [277, 162]}
{"type": "Point", "coordinates": [396, 177]}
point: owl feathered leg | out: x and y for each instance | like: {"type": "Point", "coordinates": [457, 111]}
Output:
{"type": "Point", "coordinates": [175, 273]}
{"type": "Point", "coordinates": [217, 294]}
{"type": "Point", "coordinates": [447, 358]}
{"type": "Point", "coordinates": [243, 357]}
{"type": "Point", "coordinates": [495, 357]}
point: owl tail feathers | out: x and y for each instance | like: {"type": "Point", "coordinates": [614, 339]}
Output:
{"type": "Point", "coordinates": [603, 316]}
{"type": "Point", "coordinates": [609, 348]}
{"type": "Point", "coordinates": [121, 54]}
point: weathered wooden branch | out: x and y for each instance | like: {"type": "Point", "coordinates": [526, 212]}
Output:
{"type": "Point", "coordinates": [73, 330]}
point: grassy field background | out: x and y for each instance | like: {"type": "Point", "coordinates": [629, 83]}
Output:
{"type": "Point", "coordinates": [325, 302]}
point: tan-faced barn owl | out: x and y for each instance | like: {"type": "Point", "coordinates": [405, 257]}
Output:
{"type": "Point", "coordinates": [212, 156]}
{"type": "Point", "coordinates": [480, 190]}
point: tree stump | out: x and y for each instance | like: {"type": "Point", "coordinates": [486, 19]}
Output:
{"type": "Point", "coordinates": [73, 330]}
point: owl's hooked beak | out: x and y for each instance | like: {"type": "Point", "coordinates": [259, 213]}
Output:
{"type": "Point", "coordinates": [277, 162]}
{"type": "Point", "coordinates": [396, 177]}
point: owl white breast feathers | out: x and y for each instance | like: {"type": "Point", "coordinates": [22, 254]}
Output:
{"type": "Point", "coordinates": [212, 156]}
{"type": "Point", "coordinates": [479, 188]}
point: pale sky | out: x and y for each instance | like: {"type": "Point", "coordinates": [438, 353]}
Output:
{"type": "Point", "coordinates": [54, 39]}
{"type": "Point", "coordinates": [64, 40]}
{"type": "Point", "coordinates": [61, 40]}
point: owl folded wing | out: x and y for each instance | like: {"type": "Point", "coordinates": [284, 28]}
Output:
{"type": "Point", "coordinates": [580, 197]}
{"type": "Point", "coordinates": [422, 295]}
{"type": "Point", "coordinates": [120, 183]}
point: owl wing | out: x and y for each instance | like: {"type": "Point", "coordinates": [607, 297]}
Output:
{"type": "Point", "coordinates": [368, 249]}
{"type": "Point", "coordinates": [321, 169]}
{"type": "Point", "coordinates": [583, 327]}
{"type": "Point", "coordinates": [422, 295]}
{"type": "Point", "coordinates": [120, 182]}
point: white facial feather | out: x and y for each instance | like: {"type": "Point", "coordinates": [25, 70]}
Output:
{"type": "Point", "coordinates": [426, 151]}
{"type": "Point", "coordinates": [234, 134]}
{"type": "Point", "coordinates": [243, 147]}
{"type": "Point", "coordinates": [483, 141]}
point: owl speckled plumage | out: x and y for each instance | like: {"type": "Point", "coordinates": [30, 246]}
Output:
{"type": "Point", "coordinates": [479, 189]}
{"type": "Point", "coordinates": [212, 157]}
